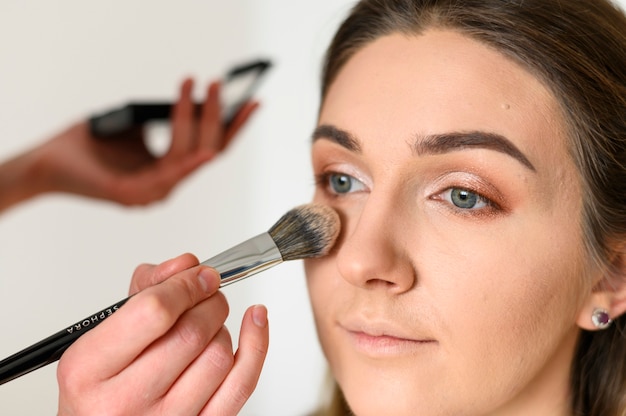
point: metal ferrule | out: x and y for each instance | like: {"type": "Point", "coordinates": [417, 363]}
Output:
{"type": "Point", "coordinates": [245, 259]}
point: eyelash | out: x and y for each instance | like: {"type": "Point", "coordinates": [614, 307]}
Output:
{"type": "Point", "coordinates": [487, 205]}
{"type": "Point", "coordinates": [323, 181]}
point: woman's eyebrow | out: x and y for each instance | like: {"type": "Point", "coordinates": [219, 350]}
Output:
{"type": "Point", "coordinates": [453, 141]}
{"type": "Point", "coordinates": [334, 134]}
{"type": "Point", "coordinates": [433, 143]}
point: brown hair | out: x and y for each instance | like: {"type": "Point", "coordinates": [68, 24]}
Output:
{"type": "Point", "coordinates": [578, 49]}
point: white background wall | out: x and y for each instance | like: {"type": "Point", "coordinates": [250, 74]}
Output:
{"type": "Point", "coordinates": [62, 258]}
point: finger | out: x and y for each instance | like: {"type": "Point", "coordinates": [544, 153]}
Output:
{"type": "Point", "coordinates": [239, 120]}
{"type": "Point", "coordinates": [147, 275]}
{"type": "Point", "coordinates": [156, 182]}
{"type": "Point", "coordinates": [183, 122]}
{"type": "Point", "coordinates": [153, 183]}
{"type": "Point", "coordinates": [202, 378]}
{"type": "Point", "coordinates": [211, 131]}
{"type": "Point", "coordinates": [118, 340]}
{"type": "Point", "coordinates": [172, 353]}
{"type": "Point", "coordinates": [242, 380]}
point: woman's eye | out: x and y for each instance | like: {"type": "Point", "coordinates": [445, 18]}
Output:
{"type": "Point", "coordinates": [465, 199]}
{"type": "Point", "coordinates": [340, 183]}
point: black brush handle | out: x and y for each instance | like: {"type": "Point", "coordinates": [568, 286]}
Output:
{"type": "Point", "coordinates": [50, 349]}
{"type": "Point", "coordinates": [243, 260]}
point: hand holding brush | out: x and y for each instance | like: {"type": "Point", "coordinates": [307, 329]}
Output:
{"type": "Point", "coordinates": [306, 231]}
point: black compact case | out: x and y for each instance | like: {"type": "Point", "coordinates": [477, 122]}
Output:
{"type": "Point", "coordinates": [238, 85]}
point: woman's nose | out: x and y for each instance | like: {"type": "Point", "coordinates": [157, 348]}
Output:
{"type": "Point", "coordinates": [372, 254]}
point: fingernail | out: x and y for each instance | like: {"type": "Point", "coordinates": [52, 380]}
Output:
{"type": "Point", "coordinates": [259, 316]}
{"type": "Point", "coordinates": [209, 279]}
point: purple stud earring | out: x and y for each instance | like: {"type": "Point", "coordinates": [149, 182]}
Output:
{"type": "Point", "coordinates": [600, 318]}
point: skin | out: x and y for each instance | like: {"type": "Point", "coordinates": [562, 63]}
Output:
{"type": "Point", "coordinates": [181, 361]}
{"type": "Point", "coordinates": [122, 170]}
{"type": "Point", "coordinates": [432, 304]}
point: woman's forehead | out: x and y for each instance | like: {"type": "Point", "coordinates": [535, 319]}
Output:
{"type": "Point", "coordinates": [441, 82]}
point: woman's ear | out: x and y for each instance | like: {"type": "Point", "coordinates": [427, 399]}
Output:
{"type": "Point", "coordinates": [607, 300]}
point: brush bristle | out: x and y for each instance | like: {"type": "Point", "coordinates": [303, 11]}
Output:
{"type": "Point", "coordinates": [306, 231]}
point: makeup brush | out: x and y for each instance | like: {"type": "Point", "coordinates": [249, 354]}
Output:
{"type": "Point", "coordinates": [303, 232]}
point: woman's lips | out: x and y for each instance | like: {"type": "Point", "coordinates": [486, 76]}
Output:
{"type": "Point", "coordinates": [378, 342]}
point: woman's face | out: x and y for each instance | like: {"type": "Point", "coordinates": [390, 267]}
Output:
{"type": "Point", "coordinates": [459, 273]}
